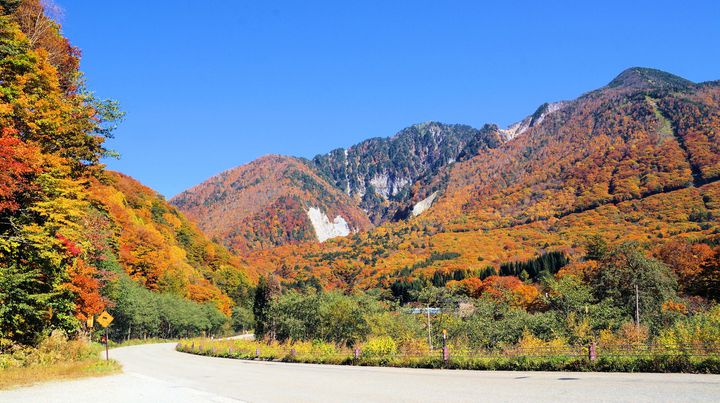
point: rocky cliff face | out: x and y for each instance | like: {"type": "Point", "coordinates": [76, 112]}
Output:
{"type": "Point", "coordinates": [384, 175]}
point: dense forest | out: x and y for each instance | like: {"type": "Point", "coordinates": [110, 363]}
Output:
{"type": "Point", "coordinates": [76, 239]}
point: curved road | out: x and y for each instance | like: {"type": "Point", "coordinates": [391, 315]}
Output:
{"type": "Point", "coordinates": [157, 373]}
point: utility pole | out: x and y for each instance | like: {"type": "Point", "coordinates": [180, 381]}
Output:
{"type": "Point", "coordinates": [637, 306]}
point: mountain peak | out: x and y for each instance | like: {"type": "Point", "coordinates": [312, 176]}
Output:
{"type": "Point", "coordinates": [645, 78]}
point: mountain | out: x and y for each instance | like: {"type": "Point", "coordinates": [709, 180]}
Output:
{"type": "Point", "coordinates": [276, 200]}
{"type": "Point", "coordinates": [647, 132]}
{"type": "Point", "coordinates": [644, 133]}
{"type": "Point", "coordinates": [379, 173]}
{"type": "Point", "coordinates": [643, 78]}
{"type": "Point", "coordinates": [271, 201]}
{"type": "Point", "coordinates": [638, 159]}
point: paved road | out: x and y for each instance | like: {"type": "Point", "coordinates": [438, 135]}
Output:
{"type": "Point", "coordinates": [156, 373]}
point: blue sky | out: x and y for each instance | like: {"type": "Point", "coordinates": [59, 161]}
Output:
{"type": "Point", "coordinates": [211, 85]}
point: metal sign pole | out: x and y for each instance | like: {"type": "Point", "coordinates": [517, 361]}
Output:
{"type": "Point", "coordinates": [104, 320]}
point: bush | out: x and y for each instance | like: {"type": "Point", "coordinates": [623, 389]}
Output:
{"type": "Point", "coordinates": [701, 329]}
{"type": "Point", "coordinates": [383, 346]}
{"type": "Point", "coordinates": [54, 349]}
{"type": "Point", "coordinates": [331, 317]}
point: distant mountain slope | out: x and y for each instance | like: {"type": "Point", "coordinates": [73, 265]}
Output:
{"type": "Point", "coordinates": [271, 201]}
{"type": "Point", "coordinates": [419, 251]}
{"type": "Point", "coordinates": [380, 173]}
{"type": "Point", "coordinates": [645, 139]}
{"type": "Point", "coordinates": [647, 132]}
{"type": "Point", "coordinates": [635, 160]}
{"type": "Point", "coordinates": [277, 200]}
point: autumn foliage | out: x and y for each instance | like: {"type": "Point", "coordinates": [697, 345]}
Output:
{"type": "Point", "coordinates": [68, 228]}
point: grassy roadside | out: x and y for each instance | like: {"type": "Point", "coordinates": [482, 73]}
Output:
{"type": "Point", "coordinates": [25, 376]}
{"type": "Point", "coordinates": [324, 353]}
{"type": "Point", "coordinates": [138, 342]}
{"type": "Point", "coordinates": [56, 358]}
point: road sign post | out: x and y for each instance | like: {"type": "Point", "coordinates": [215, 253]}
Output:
{"type": "Point", "coordinates": [104, 320]}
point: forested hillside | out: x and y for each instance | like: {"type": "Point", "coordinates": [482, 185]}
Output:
{"type": "Point", "coordinates": [277, 200]}
{"type": "Point", "coordinates": [647, 132]}
{"type": "Point", "coordinates": [633, 161]}
{"type": "Point", "coordinates": [271, 201]}
{"type": "Point", "coordinates": [75, 239]}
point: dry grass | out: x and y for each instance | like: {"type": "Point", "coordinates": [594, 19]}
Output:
{"type": "Point", "coordinates": [24, 376]}
{"type": "Point", "coordinates": [55, 358]}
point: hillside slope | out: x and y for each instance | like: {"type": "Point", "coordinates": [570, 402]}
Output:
{"type": "Point", "coordinates": [647, 132]}
{"type": "Point", "coordinates": [157, 246]}
{"type": "Point", "coordinates": [271, 201]}
{"type": "Point", "coordinates": [635, 160]}
{"type": "Point", "coordinates": [276, 200]}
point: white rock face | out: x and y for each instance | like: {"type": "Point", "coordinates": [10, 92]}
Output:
{"type": "Point", "coordinates": [423, 204]}
{"type": "Point", "coordinates": [516, 129]}
{"type": "Point", "coordinates": [520, 127]}
{"type": "Point", "coordinates": [380, 183]}
{"type": "Point", "coordinates": [326, 229]}
{"type": "Point", "coordinates": [386, 187]}
{"type": "Point", "coordinates": [398, 185]}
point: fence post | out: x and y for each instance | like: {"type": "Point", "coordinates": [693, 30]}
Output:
{"type": "Point", "coordinates": [356, 354]}
{"type": "Point", "coordinates": [446, 350]}
{"type": "Point", "coordinates": [257, 352]}
{"type": "Point", "coordinates": [293, 352]}
{"type": "Point", "coordinates": [592, 351]}
{"type": "Point", "coordinates": [230, 351]}
{"type": "Point", "coordinates": [192, 348]}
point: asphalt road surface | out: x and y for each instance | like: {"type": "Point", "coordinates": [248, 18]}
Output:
{"type": "Point", "coordinates": [157, 373]}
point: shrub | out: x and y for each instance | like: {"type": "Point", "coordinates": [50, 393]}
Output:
{"type": "Point", "coordinates": [383, 346]}
{"type": "Point", "coordinates": [54, 349]}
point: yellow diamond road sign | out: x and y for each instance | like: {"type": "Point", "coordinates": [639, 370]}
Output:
{"type": "Point", "coordinates": [104, 319]}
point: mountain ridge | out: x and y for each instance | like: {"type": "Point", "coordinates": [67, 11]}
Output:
{"type": "Point", "coordinates": [404, 175]}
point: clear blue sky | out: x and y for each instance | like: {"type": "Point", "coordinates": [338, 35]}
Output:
{"type": "Point", "coordinates": [208, 85]}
